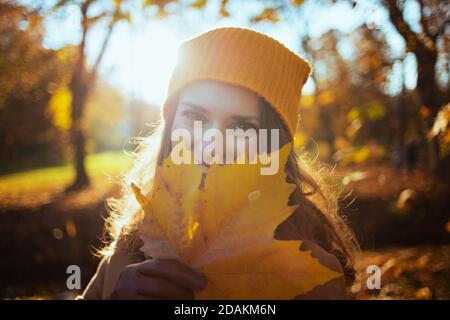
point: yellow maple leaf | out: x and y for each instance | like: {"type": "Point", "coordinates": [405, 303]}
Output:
{"type": "Point", "coordinates": [221, 222]}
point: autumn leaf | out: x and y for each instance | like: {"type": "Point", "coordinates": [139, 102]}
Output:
{"type": "Point", "coordinates": [268, 14]}
{"type": "Point", "coordinates": [275, 271]}
{"type": "Point", "coordinates": [60, 108]}
{"type": "Point", "coordinates": [199, 4]}
{"type": "Point", "coordinates": [221, 222]}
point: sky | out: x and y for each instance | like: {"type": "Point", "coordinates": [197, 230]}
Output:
{"type": "Point", "coordinates": [141, 56]}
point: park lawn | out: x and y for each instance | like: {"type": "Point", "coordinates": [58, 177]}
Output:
{"type": "Point", "coordinates": [48, 180]}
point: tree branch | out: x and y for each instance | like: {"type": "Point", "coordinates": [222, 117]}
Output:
{"type": "Point", "coordinates": [396, 17]}
{"type": "Point", "coordinates": [423, 21]}
{"type": "Point", "coordinates": [103, 48]}
{"type": "Point", "coordinates": [85, 26]}
{"type": "Point", "coordinates": [442, 28]}
{"type": "Point", "coordinates": [101, 54]}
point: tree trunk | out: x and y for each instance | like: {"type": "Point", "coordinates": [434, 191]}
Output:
{"type": "Point", "coordinates": [82, 81]}
{"type": "Point", "coordinates": [424, 48]}
{"type": "Point", "coordinates": [325, 119]}
{"type": "Point", "coordinates": [79, 87]}
{"type": "Point", "coordinates": [431, 99]}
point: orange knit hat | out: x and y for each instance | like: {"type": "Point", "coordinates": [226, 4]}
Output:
{"type": "Point", "coordinates": [249, 59]}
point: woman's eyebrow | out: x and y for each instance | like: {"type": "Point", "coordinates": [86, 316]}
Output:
{"type": "Point", "coordinates": [245, 118]}
{"type": "Point", "coordinates": [194, 106]}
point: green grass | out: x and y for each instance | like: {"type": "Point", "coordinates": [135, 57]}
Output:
{"type": "Point", "coordinates": [100, 164]}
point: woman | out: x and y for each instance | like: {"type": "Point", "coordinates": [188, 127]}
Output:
{"type": "Point", "coordinates": [227, 78]}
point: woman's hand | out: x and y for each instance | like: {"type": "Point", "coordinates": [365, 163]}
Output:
{"type": "Point", "coordinates": [158, 279]}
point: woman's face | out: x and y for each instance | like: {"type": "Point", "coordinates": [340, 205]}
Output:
{"type": "Point", "coordinates": [217, 105]}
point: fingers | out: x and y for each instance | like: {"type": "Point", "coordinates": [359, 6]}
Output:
{"type": "Point", "coordinates": [158, 279]}
{"type": "Point", "coordinates": [175, 272]}
{"type": "Point", "coordinates": [327, 259]}
{"type": "Point", "coordinates": [160, 288]}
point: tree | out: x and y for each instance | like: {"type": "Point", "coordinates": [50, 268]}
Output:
{"type": "Point", "coordinates": [28, 75]}
{"type": "Point", "coordinates": [434, 23]}
{"type": "Point", "coordinates": [349, 99]}
{"type": "Point", "coordinates": [83, 77]}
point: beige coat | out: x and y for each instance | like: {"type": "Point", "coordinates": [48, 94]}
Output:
{"type": "Point", "coordinates": [103, 283]}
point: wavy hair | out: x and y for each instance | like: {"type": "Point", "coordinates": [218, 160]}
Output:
{"type": "Point", "coordinates": [317, 217]}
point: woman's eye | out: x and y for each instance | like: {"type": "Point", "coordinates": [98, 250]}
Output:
{"type": "Point", "coordinates": [244, 126]}
{"type": "Point", "coordinates": [192, 115]}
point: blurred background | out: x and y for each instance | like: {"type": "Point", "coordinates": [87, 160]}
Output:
{"type": "Point", "coordinates": [80, 78]}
